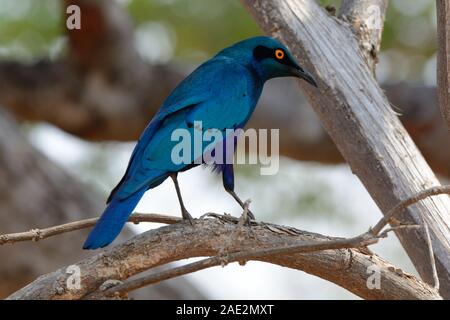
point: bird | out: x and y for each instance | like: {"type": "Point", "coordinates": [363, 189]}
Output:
{"type": "Point", "coordinates": [222, 93]}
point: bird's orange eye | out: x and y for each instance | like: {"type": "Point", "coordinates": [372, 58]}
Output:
{"type": "Point", "coordinates": [279, 54]}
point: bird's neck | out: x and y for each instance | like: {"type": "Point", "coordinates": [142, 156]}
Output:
{"type": "Point", "coordinates": [257, 72]}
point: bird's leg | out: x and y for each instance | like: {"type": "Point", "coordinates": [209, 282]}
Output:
{"type": "Point", "coordinates": [242, 204]}
{"type": "Point", "coordinates": [228, 183]}
{"type": "Point", "coordinates": [184, 213]}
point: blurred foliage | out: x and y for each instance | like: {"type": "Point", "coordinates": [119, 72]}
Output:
{"type": "Point", "coordinates": [194, 29]}
{"type": "Point", "coordinates": [29, 28]}
{"type": "Point", "coordinates": [199, 26]}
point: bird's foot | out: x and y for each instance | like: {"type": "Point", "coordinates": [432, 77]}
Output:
{"type": "Point", "coordinates": [247, 215]}
{"type": "Point", "coordinates": [243, 205]}
{"type": "Point", "coordinates": [250, 214]}
{"type": "Point", "coordinates": [187, 216]}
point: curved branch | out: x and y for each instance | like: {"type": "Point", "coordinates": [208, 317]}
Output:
{"type": "Point", "coordinates": [433, 191]}
{"type": "Point", "coordinates": [242, 257]}
{"type": "Point", "coordinates": [218, 237]}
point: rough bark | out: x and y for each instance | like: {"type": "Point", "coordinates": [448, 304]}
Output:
{"type": "Point", "coordinates": [443, 65]}
{"type": "Point", "coordinates": [366, 18]}
{"type": "Point", "coordinates": [35, 192]}
{"type": "Point", "coordinates": [214, 237]}
{"type": "Point", "coordinates": [360, 120]}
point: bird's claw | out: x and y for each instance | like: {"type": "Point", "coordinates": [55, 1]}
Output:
{"type": "Point", "coordinates": [247, 215]}
{"type": "Point", "coordinates": [187, 216]}
{"type": "Point", "coordinates": [250, 215]}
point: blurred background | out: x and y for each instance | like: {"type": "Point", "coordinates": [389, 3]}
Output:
{"type": "Point", "coordinates": [73, 102]}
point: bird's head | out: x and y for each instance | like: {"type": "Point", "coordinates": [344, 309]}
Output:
{"type": "Point", "coordinates": [269, 57]}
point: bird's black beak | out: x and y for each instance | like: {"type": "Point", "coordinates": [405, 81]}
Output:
{"type": "Point", "coordinates": [302, 74]}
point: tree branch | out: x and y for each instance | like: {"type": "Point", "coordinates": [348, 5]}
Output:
{"type": "Point", "coordinates": [40, 234]}
{"type": "Point", "coordinates": [443, 64]}
{"type": "Point", "coordinates": [434, 191]}
{"type": "Point", "coordinates": [359, 242]}
{"type": "Point", "coordinates": [359, 118]}
{"type": "Point", "coordinates": [217, 237]}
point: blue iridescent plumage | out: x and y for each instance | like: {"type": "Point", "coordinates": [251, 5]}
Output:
{"type": "Point", "coordinates": [221, 93]}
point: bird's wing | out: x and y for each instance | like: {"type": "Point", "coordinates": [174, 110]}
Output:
{"type": "Point", "coordinates": [216, 93]}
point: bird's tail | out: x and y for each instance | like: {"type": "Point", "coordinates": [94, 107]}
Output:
{"type": "Point", "coordinates": [112, 221]}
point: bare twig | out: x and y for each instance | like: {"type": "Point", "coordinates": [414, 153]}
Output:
{"type": "Point", "coordinates": [385, 232]}
{"type": "Point", "coordinates": [39, 234]}
{"type": "Point", "coordinates": [431, 255]}
{"type": "Point", "coordinates": [433, 191]}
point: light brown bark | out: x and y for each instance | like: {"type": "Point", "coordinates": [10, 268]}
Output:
{"type": "Point", "coordinates": [213, 237]}
{"type": "Point", "coordinates": [443, 64]}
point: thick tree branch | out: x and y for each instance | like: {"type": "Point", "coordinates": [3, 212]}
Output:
{"type": "Point", "coordinates": [359, 242]}
{"type": "Point", "coordinates": [241, 257]}
{"type": "Point", "coordinates": [86, 105]}
{"type": "Point", "coordinates": [351, 243]}
{"type": "Point", "coordinates": [443, 64]}
{"type": "Point", "coordinates": [222, 238]}
{"type": "Point", "coordinates": [359, 118]}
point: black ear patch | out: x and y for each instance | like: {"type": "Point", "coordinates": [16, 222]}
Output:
{"type": "Point", "coordinates": [261, 53]}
